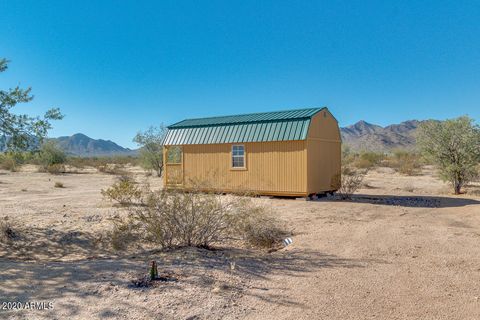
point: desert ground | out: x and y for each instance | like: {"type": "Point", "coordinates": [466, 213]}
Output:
{"type": "Point", "coordinates": [403, 248]}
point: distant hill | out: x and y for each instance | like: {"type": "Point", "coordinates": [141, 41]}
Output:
{"type": "Point", "coordinates": [364, 136]}
{"type": "Point", "coordinates": [84, 146]}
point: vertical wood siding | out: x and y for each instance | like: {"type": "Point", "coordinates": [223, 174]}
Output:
{"type": "Point", "coordinates": [323, 153]}
{"type": "Point", "coordinates": [271, 167]}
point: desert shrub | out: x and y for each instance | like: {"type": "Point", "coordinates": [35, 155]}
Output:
{"type": "Point", "coordinates": [51, 157]}
{"type": "Point", "coordinates": [122, 234]}
{"type": "Point", "coordinates": [112, 168]}
{"type": "Point", "coordinates": [367, 160]}
{"type": "Point", "coordinates": [125, 192]}
{"type": "Point", "coordinates": [7, 232]}
{"type": "Point", "coordinates": [54, 169]}
{"type": "Point", "coordinates": [59, 184]}
{"type": "Point", "coordinates": [96, 162]}
{"type": "Point", "coordinates": [405, 162]}
{"type": "Point", "coordinates": [347, 155]}
{"type": "Point", "coordinates": [258, 227]}
{"type": "Point", "coordinates": [351, 181]}
{"type": "Point", "coordinates": [7, 162]}
{"type": "Point", "coordinates": [177, 218]}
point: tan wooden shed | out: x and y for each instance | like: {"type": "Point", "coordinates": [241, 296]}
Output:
{"type": "Point", "coordinates": [284, 153]}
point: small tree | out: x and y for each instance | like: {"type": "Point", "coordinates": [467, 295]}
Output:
{"type": "Point", "coordinates": [50, 154]}
{"type": "Point", "coordinates": [21, 131]}
{"type": "Point", "coordinates": [454, 147]}
{"type": "Point", "coordinates": [151, 148]}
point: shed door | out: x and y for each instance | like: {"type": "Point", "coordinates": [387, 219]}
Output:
{"type": "Point", "coordinates": [174, 166]}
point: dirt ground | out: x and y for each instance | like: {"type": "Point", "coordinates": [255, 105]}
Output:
{"type": "Point", "coordinates": [403, 248]}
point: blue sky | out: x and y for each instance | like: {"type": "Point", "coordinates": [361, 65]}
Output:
{"type": "Point", "coordinates": [116, 67]}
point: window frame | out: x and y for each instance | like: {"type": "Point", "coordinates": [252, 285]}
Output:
{"type": "Point", "coordinates": [232, 156]}
{"type": "Point", "coordinates": [167, 155]}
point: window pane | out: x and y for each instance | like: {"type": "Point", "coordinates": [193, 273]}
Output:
{"type": "Point", "coordinates": [238, 161]}
{"type": "Point", "coordinates": [238, 156]}
{"type": "Point", "coordinates": [174, 154]}
{"type": "Point", "coordinates": [238, 150]}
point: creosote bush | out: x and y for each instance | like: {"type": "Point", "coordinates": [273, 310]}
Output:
{"type": "Point", "coordinates": [351, 181]}
{"type": "Point", "coordinates": [125, 191]}
{"type": "Point", "coordinates": [175, 218]}
{"type": "Point", "coordinates": [260, 229]}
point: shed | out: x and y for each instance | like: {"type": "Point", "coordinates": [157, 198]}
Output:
{"type": "Point", "coordinates": [284, 153]}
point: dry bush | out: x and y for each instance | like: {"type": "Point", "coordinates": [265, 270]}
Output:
{"type": "Point", "coordinates": [8, 163]}
{"type": "Point", "coordinates": [96, 162]}
{"type": "Point", "coordinates": [406, 163]}
{"type": "Point", "coordinates": [367, 160]}
{"type": "Point", "coordinates": [474, 192]}
{"type": "Point", "coordinates": [54, 169]}
{"type": "Point", "coordinates": [112, 168]}
{"type": "Point", "coordinates": [259, 228]}
{"type": "Point", "coordinates": [59, 185]}
{"type": "Point", "coordinates": [123, 234]}
{"type": "Point", "coordinates": [8, 232]}
{"type": "Point", "coordinates": [351, 181]}
{"type": "Point", "coordinates": [178, 218]}
{"type": "Point", "coordinates": [124, 191]}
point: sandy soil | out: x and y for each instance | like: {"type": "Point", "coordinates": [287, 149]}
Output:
{"type": "Point", "coordinates": [403, 248]}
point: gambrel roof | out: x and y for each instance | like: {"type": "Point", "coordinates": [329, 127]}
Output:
{"type": "Point", "coordinates": [255, 127]}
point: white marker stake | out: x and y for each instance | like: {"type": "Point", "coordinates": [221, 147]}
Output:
{"type": "Point", "coordinates": [287, 241]}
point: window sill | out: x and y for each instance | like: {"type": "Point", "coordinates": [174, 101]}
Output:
{"type": "Point", "coordinates": [238, 169]}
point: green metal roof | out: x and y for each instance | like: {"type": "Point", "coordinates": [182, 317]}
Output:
{"type": "Point", "coordinates": [254, 127]}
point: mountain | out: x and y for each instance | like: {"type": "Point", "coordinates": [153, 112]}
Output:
{"type": "Point", "coordinates": [364, 136]}
{"type": "Point", "coordinates": [84, 146]}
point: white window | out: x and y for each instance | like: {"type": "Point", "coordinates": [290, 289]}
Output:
{"type": "Point", "coordinates": [238, 156]}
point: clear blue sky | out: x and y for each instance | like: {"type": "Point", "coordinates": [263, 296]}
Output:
{"type": "Point", "coordinates": [116, 67]}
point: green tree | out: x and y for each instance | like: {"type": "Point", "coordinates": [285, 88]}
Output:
{"type": "Point", "coordinates": [50, 154]}
{"type": "Point", "coordinates": [151, 148]}
{"type": "Point", "coordinates": [22, 131]}
{"type": "Point", "coordinates": [454, 147]}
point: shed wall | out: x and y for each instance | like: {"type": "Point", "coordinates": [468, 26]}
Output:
{"type": "Point", "coordinates": [271, 167]}
{"type": "Point", "coordinates": [323, 153]}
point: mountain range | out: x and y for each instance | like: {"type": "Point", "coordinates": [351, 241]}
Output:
{"type": "Point", "coordinates": [362, 136]}
{"type": "Point", "coordinates": [84, 146]}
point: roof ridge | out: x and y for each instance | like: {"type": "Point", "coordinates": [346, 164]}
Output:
{"type": "Point", "coordinates": [247, 114]}
{"type": "Point", "coordinates": [252, 114]}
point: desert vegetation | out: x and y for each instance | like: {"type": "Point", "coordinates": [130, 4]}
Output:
{"type": "Point", "coordinates": [221, 248]}
{"type": "Point", "coordinates": [177, 218]}
{"type": "Point", "coordinates": [454, 147]}
{"type": "Point", "coordinates": [151, 148]}
{"type": "Point", "coordinates": [406, 162]}
{"type": "Point", "coordinates": [124, 191]}
{"type": "Point", "coordinates": [21, 132]}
